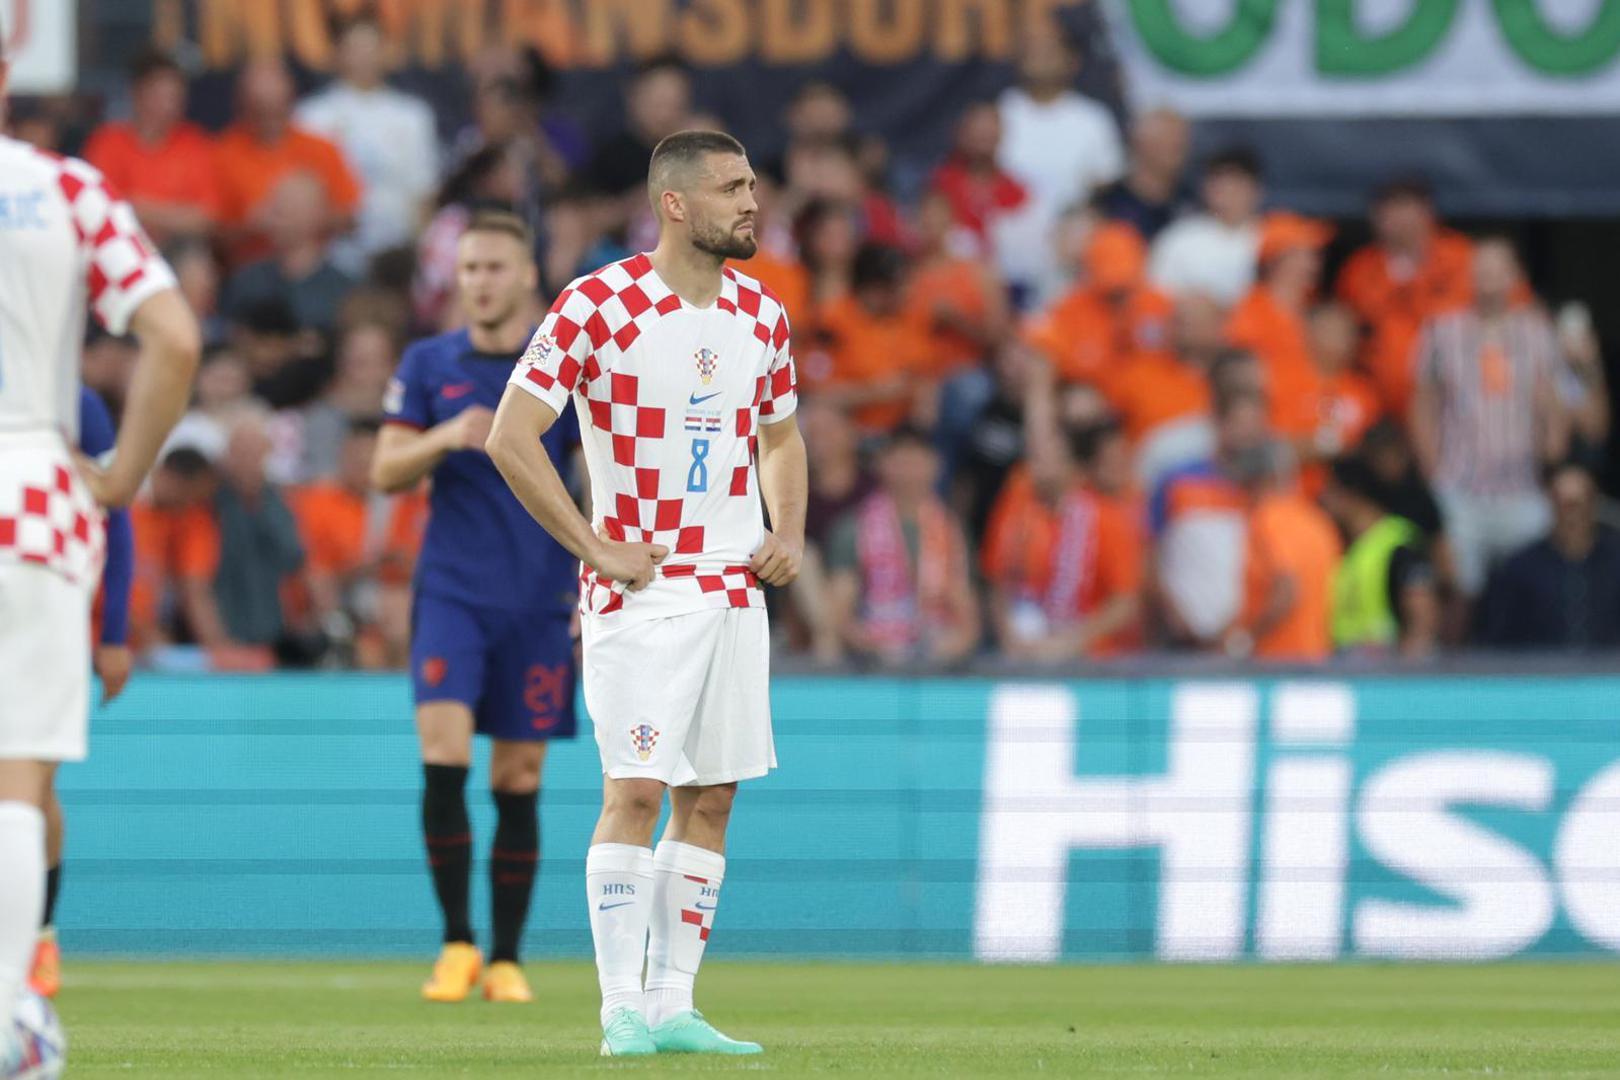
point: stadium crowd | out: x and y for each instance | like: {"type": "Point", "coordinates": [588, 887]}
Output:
{"type": "Point", "coordinates": [1078, 397]}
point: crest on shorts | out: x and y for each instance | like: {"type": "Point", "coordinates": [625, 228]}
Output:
{"type": "Point", "coordinates": [707, 362]}
{"type": "Point", "coordinates": [644, 737]}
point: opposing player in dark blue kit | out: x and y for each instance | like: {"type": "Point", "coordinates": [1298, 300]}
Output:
{"type": "Point", "coordinates": [491, 648]}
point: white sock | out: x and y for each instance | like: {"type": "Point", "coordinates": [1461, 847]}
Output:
{"type": "Point", "coordinates": [22, 903]}
{"type": "Point", "coordinates": [619, 890]}
{"type": "Point", "coordinates": [685, 892]}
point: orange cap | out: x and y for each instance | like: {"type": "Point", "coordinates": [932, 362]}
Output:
{"type": "Point", "coordinates": [1116, 257]}
{"type": "Point", "coordinates": [1284, 230]}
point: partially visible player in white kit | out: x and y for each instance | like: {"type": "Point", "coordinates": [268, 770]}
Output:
{"type": "Point", "coordinates": [681, 372]}
{"type": "Point", "coordinates": [66, 242]}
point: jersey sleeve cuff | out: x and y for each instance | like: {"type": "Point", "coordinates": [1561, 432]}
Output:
{"type": "Point", "coordinates": [117, 315]}
{"type": "Point", "coordinates": [781, 409]}
{"type": "Point", "coordinates": [555, 396]}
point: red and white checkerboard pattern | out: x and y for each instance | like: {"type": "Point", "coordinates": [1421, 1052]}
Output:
{"type": "Point", "coordinates": [123, 267]}
{"type": "Point", "coordinates": [48, 519]}
{"type": "Point", "coordinates": [627, 349]}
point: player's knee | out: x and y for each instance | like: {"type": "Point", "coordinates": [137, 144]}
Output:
{"type": "Point", "coordinates": [518, 775]}
{"type": "Point", "coordinates": [636, 802]}
{"type": "Point", "coordinates": [714, 805]}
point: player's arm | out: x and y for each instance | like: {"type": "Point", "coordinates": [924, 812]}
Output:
{"type": "Point", "coordinates": [514, 446]}
{"type": "Point", "coordinates": [784, 482]}
{"type": "Point", "coordinates": [404, 455]}
{"type": "Point", "coordinates": [159, 391]}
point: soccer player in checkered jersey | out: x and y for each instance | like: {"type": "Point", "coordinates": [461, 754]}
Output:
{"type": "Point", "coordinates": [492, 651]}
{"type": "Point", "coordinates": [680, 371]}
{"type": "Point", "coordinates": [67, 242]}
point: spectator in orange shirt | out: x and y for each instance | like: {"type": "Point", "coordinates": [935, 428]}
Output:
{"type": "Point", "coordinates": [954, 294]}
{"type": "Point", "coordinates": [1349, 403]}
{"type": "Point", "coordinates": [828, 236]}
{"type": "Point", "coordinates": [1272, 321]}
{"type": "Point", "coordinates": [1293, 554]}
{"type": "Point", "coordinates": [1112, 315]}
{"type": "Point", "coordinates": [1412, 271]}
{"type": "Point", "coordinates": [1064, 566]}
{"type": "Point", "coordinates": [261, 148]}
{"type": "Point", "coordinates": [163, 165]}
{"type": "Point", "coordinates": [878, 361]}
{"type": "Point", "coordinates": [344, 525]}
{"type": "Point", "coordinates": [176, 557]}
{"type": "Point", "coordinates": [1163, 396]}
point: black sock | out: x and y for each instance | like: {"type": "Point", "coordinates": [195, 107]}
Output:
{"type": "Point", "coordinates": [449, 845]}
{"type": "Point", "coordinates": [53, 885]}
{"type": "Point", "coordinates": [512, 867]}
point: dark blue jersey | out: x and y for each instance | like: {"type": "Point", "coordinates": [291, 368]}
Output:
{"type": "Point", "coordinates": [481, 546]}
{"type": "Point", "coordinates": [96, 436]}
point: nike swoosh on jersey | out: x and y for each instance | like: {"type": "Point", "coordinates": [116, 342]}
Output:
{"type": "Point", "coordinates": [695, 400]}
{"type": "Point", "coordinates": [455, 390]}
{"type": "Point", "coordinates": [704, 907]}
{"type": "Point", "coordinates": [610, 907]}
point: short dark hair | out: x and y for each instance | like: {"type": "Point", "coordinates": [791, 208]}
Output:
{"type": "Point", "coordinates": [187, 462]}
{"type": "Point", "coordinates": [877, 264]}
{"type": "Point", "coordinates": [1404, 186]}
{"type": "Point", "coordinates": [1087, 440]}
{"type": "Point", "coordinates": [1228, 399]}
{"type": "Point", "coordinates": [1353, 474]}
{"type": "Point", "coordinates": [908, 434]}
{"type": "Point", "coordinates": [503, 222]}
{"type": "Point", "coordinates": [661, 62]}
{"type": "Point", "coordinates": [1241, 159]}
{"type": "Point", "coordinates": [150, 62]}
{"type": "Point", "coordinates": [678, 153]}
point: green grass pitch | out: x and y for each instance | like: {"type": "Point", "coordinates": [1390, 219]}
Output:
{"type": "Point", "coordinates": [176, 1020]}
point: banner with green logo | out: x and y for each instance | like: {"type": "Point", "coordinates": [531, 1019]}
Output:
{"type": "Point", "coordinates": [1275, 58]}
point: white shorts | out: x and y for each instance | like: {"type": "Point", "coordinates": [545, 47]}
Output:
{"type": "Point", "coordinates": [685, 699]}
{"type": "Point", "coordinates": [44, 665]}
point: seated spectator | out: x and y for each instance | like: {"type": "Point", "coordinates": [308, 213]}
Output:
{"type": "Point", "coordinates": [387, 136]}
{"type": "Point", "coordinates": [975, 187]}
{"type": "Point", "coordinates": [287, 363]}
{"type": "Point", "coordinates": [1582, 386]}
{"type": "Point", "coordinates": [1485, 417]}
{"type": "Point", "coordinates": [1290, 564]}
{"type": "Point", "coordinates": [299, 269]}
{"type": "Point", "coordinates": [1384, 593]}
{"type": "Point", "coordinates": [956, 296]}
{"type": "Point", "coordinates": [1412, 272]}
{"type": "Point", "coordinates": [223, 389]}
{"type": "Point", "coordinates": [258, 540]}
{"type": "Point", "coordinates": [995, 441]}
{"type": "Point", "coordinates": [197, 272]}
{"type": "Point", "coordinates": [818, 112]}
{"type": "Point", "coordinates": [1199, 516]}
{"type": "Point", "coordinates": [176, 556]}
{"type": "Point", "coordinates": [827, 235]}
{"type": "Point", "coordinates": [1149, 195]}
{"type": "Point", "coordinates": [838, 483]}
{"type": "Point", "coordinates": [1093, 331]}
{"type": "Point", "coordinates": [1401, 487]}
{"type": "Point", "coordinates": [880, 213]}
{"type": "Point", "coordinates": [1057, 143]}
{"type": "Point", "coordinates": [1163, 396]}
{"type": "Point", "coordinates": [491, 177]}
{"type": "Point", "coordinates": [1272, 322]}
{"type": "Point", "coordinates": [260, 149]}
{"type": "Point", "coordinates": [877, 357]}
{"type": "Point", "coordinates": [513, 91]}
{"type": "Point", "coordinates": [1562, 591]}
{"type": "Point", "coordinates": [1215, 252]}
{"type": "Point", "coordinates": [1349, 404]}
{"type": "Point", "coordinates": [1064, 566]}
{"type": "Point", "coordinates": [343, 524]}
{"type": "Point", "coordinates": [900, 589]}
{"type": "Point", "coordinates": [161, 164]}
{"type": "Point", "coordinates": [366, 355]}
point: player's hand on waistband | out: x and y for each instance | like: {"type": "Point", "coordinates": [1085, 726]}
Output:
{"type": "Point", "coordinates": [777, 561]}
{"type": "Point", "coordinates": [632, 563]}
{"type": "Point", "coordinates": [108, 486]}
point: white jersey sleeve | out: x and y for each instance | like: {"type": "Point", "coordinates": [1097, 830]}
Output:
{"type": "Point", "coordinates": [559, 352]}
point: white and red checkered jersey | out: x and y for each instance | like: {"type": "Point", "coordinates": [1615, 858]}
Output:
{"type": "Point", "coordinates": [67, 243]}
{"type": "Point", "coordinates": [670, 400]}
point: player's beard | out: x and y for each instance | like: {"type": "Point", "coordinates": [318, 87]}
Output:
{"type": "Point", "coordinates": [497, 318]}
{"type": "Point", "coordinates": [722, 244]}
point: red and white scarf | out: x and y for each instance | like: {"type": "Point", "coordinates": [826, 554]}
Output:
{"type": "Point", "coordinates": [900, 600]}
{"type": "Point", "coordinates": [1074, 558]}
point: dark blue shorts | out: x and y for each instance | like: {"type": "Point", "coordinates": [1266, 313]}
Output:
{"type": "Point", "coordinates": [514, 670]}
